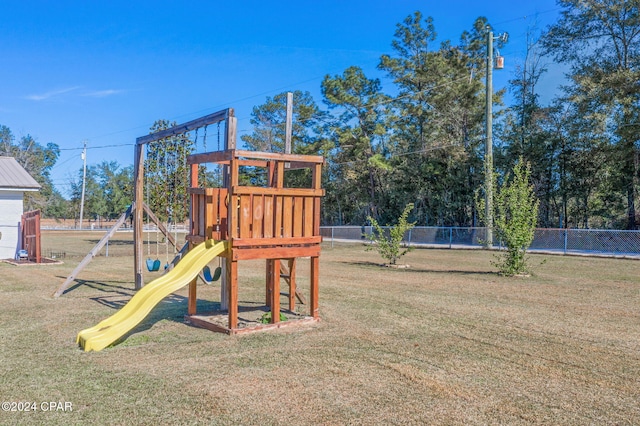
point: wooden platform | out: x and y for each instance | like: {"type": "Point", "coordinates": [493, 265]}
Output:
{"type": "Point", "coordinates": [249, 320]}
{"type": "Point", "coordinates": [260, 220]}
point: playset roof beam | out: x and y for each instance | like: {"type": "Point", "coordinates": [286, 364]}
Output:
{"type": "Point", "coordinates": [214, 118]}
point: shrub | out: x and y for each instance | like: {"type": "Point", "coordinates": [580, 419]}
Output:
{"type": "Point", "coordinates": [388, 243]}
{"type": "Point", "coordinates": [515, 219]}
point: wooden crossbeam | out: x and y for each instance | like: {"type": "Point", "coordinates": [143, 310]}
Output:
{"type": "Point", "coordinates": [216, 117]}
{"type": "Point", "coordinates": [94, 251]}
{"type": "Point", "coordinates": [288, 273]}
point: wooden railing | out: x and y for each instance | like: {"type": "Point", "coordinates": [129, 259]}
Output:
{"type": "Point", "coordinates": [257, 216]}
{"type": "Point", "coordinates": [267, 217]}
{"type": "Point", "coordinates": [209, 208]}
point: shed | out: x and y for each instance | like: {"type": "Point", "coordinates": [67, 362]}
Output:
{"type": "Point", "coordinates": [14, 182]}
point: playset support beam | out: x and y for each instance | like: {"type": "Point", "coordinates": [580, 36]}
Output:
{"type": "Point", "coordinates": [226, 115]}
{"type": "Point", "coordinates": [271, 222]}
{"type": "Point", "coordinates": [94, 252]}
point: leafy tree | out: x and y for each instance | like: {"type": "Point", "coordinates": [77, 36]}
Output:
{"type": "Point", "coordinates": [108, 191]}
{"type": "Point", "coordinates": [269, 126]}
{"type": "Point", "coordinates": [436, 121]}
{"type": "Point", "coordinates": [356, 175]}
{"type": "Point", "coordinates": [117, 187]}
{"type": "Point", "coordinates": [525, 130]}
{"type": "Point", "coordinates": [269, 123]}
{"type": "Point", "coordinates": [166, 174]}
{"type": "Point", "coordinates": [412, 74]}
{"type": "Point", "coordinates": [600, 39]}
{"type": "Point", "coordinates": [38, 160]}
{"type": "Point", "coordinates": [388, 242]}
{"type": "Point", "coordinates": [515, 219]}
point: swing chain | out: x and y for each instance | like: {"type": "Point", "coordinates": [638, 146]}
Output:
{"type": "Point", "coordinates": [218, 136]}
{"type": "Point", "coordinates": [218, 167]}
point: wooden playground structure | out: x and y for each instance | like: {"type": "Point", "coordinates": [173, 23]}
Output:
{"type": "Point", "coordinates": [264, 220]}
{"type": "Point", "coordinates": [273, 222]}
{"type": "Point", "coordinates": [270, 222]}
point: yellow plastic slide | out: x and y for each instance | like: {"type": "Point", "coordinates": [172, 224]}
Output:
{"type": "Point", "coordinates": [111, 329]}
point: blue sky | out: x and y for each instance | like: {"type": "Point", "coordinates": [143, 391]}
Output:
{"type": "Point", "coordinates": [105, 71]}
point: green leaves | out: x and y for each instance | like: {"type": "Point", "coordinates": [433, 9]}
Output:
{"type": "Point", "coordinates": [515, 219]}
{"type": "Point", "coordinates": [38, 160]}
{"type": "Point", "coordinates": [166, 174]}
{"type": "Point", "coordinates": [357, 129]}
{"type": "Point", "coordinates": [599, 40]}
{"type": "Point", "coordinates": [269, 123]}
{"type": "Point", "coordinates": [388, 242]}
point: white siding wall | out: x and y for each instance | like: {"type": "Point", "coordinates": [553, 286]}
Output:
{"type": "Point", "coordinates": [10, 213]}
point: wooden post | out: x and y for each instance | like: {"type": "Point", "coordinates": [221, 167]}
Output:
{"type": "Point", "coordinates": [229, 143]}
{"type": "Point", "coordinates": [275, 291]}
{"type": "Point", "coordinates": [292, 283]}
{"type": "Point", "coordinates": [232, 280]}
{"type": "Point", "coordinates": [193, 298]}
{"type": "Point", "coordinates": [38, 238]}
{"type": "Point", "coordinates": [193, 285]}
{"type": "Point", "coordinates": [269, 283]}
{"type": "Point", "coordinates": [230, 134]}
{"type": "Point", "coordinates": [279, 174]}
{"type": "Point", "coordinates": [315, 261]}
{"type": "Point", "coordinates": [271, 174]}
{"type": "Point", "coordinates": [315, 269]}
{"type": "Point", "coordinates": [138, 197]}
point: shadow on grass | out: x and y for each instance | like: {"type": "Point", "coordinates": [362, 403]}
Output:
{"type": "Point", "coordinates": [106, 286]}
{"type": "Point", "coordinates": [118, 242]}
{"type": "Point", "coordinates": [174, 308]}
{"type": "Point", "coordinates": [418, 270]}
{"type": "Point", "coordinates": [171, 308]}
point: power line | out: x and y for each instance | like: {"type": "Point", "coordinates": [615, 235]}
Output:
{"type": "Point", "coordinates": [193, 113]}
{"type": "Point", "coordinates": [403, 154]}
{"type": "Point", "coordinates": [279, 89]}
{"type": "Point", "coordinates": [526, 16]}
{"type": "Point", "coordinates": [97, 147]}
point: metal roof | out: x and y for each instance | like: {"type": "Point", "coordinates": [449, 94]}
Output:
{"type": "Point", "coordinates": [14, 176]}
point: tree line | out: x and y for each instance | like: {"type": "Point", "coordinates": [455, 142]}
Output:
{"type": "Point", "coordinates": [421, 140]}
{"type": "Point", "coordinates": [425, 143]}
{"type": "Point", "coordinates": [108, 186]}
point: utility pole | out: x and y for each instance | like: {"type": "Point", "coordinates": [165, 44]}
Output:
{"type": "Point", "coordinates": [84, 180]}
{"type": "Point", "coordinates": [288, 124]}
{"type": "Point", "coordinates": [488, 147]}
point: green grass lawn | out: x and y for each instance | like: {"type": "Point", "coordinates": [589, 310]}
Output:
{"type": "Point", "coordinates": [447, 341]}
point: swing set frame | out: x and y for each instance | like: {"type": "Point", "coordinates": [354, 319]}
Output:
{"type": "Point", "coordinates": [271, 222]}
{"type": "Point", "coordinates": [226, 115]}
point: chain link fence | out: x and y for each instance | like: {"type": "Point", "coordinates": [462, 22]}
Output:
{"type": "Point", "coordinates": [597, 242]}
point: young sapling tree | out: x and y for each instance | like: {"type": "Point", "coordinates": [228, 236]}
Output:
{"type": "Point", "coordinates": [388, 242]}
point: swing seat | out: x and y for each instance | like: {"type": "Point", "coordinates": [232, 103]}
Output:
{"type": "Point", "coordinates": [206, 272]}
{"type": "Point", "coordinates": [153, 265]}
